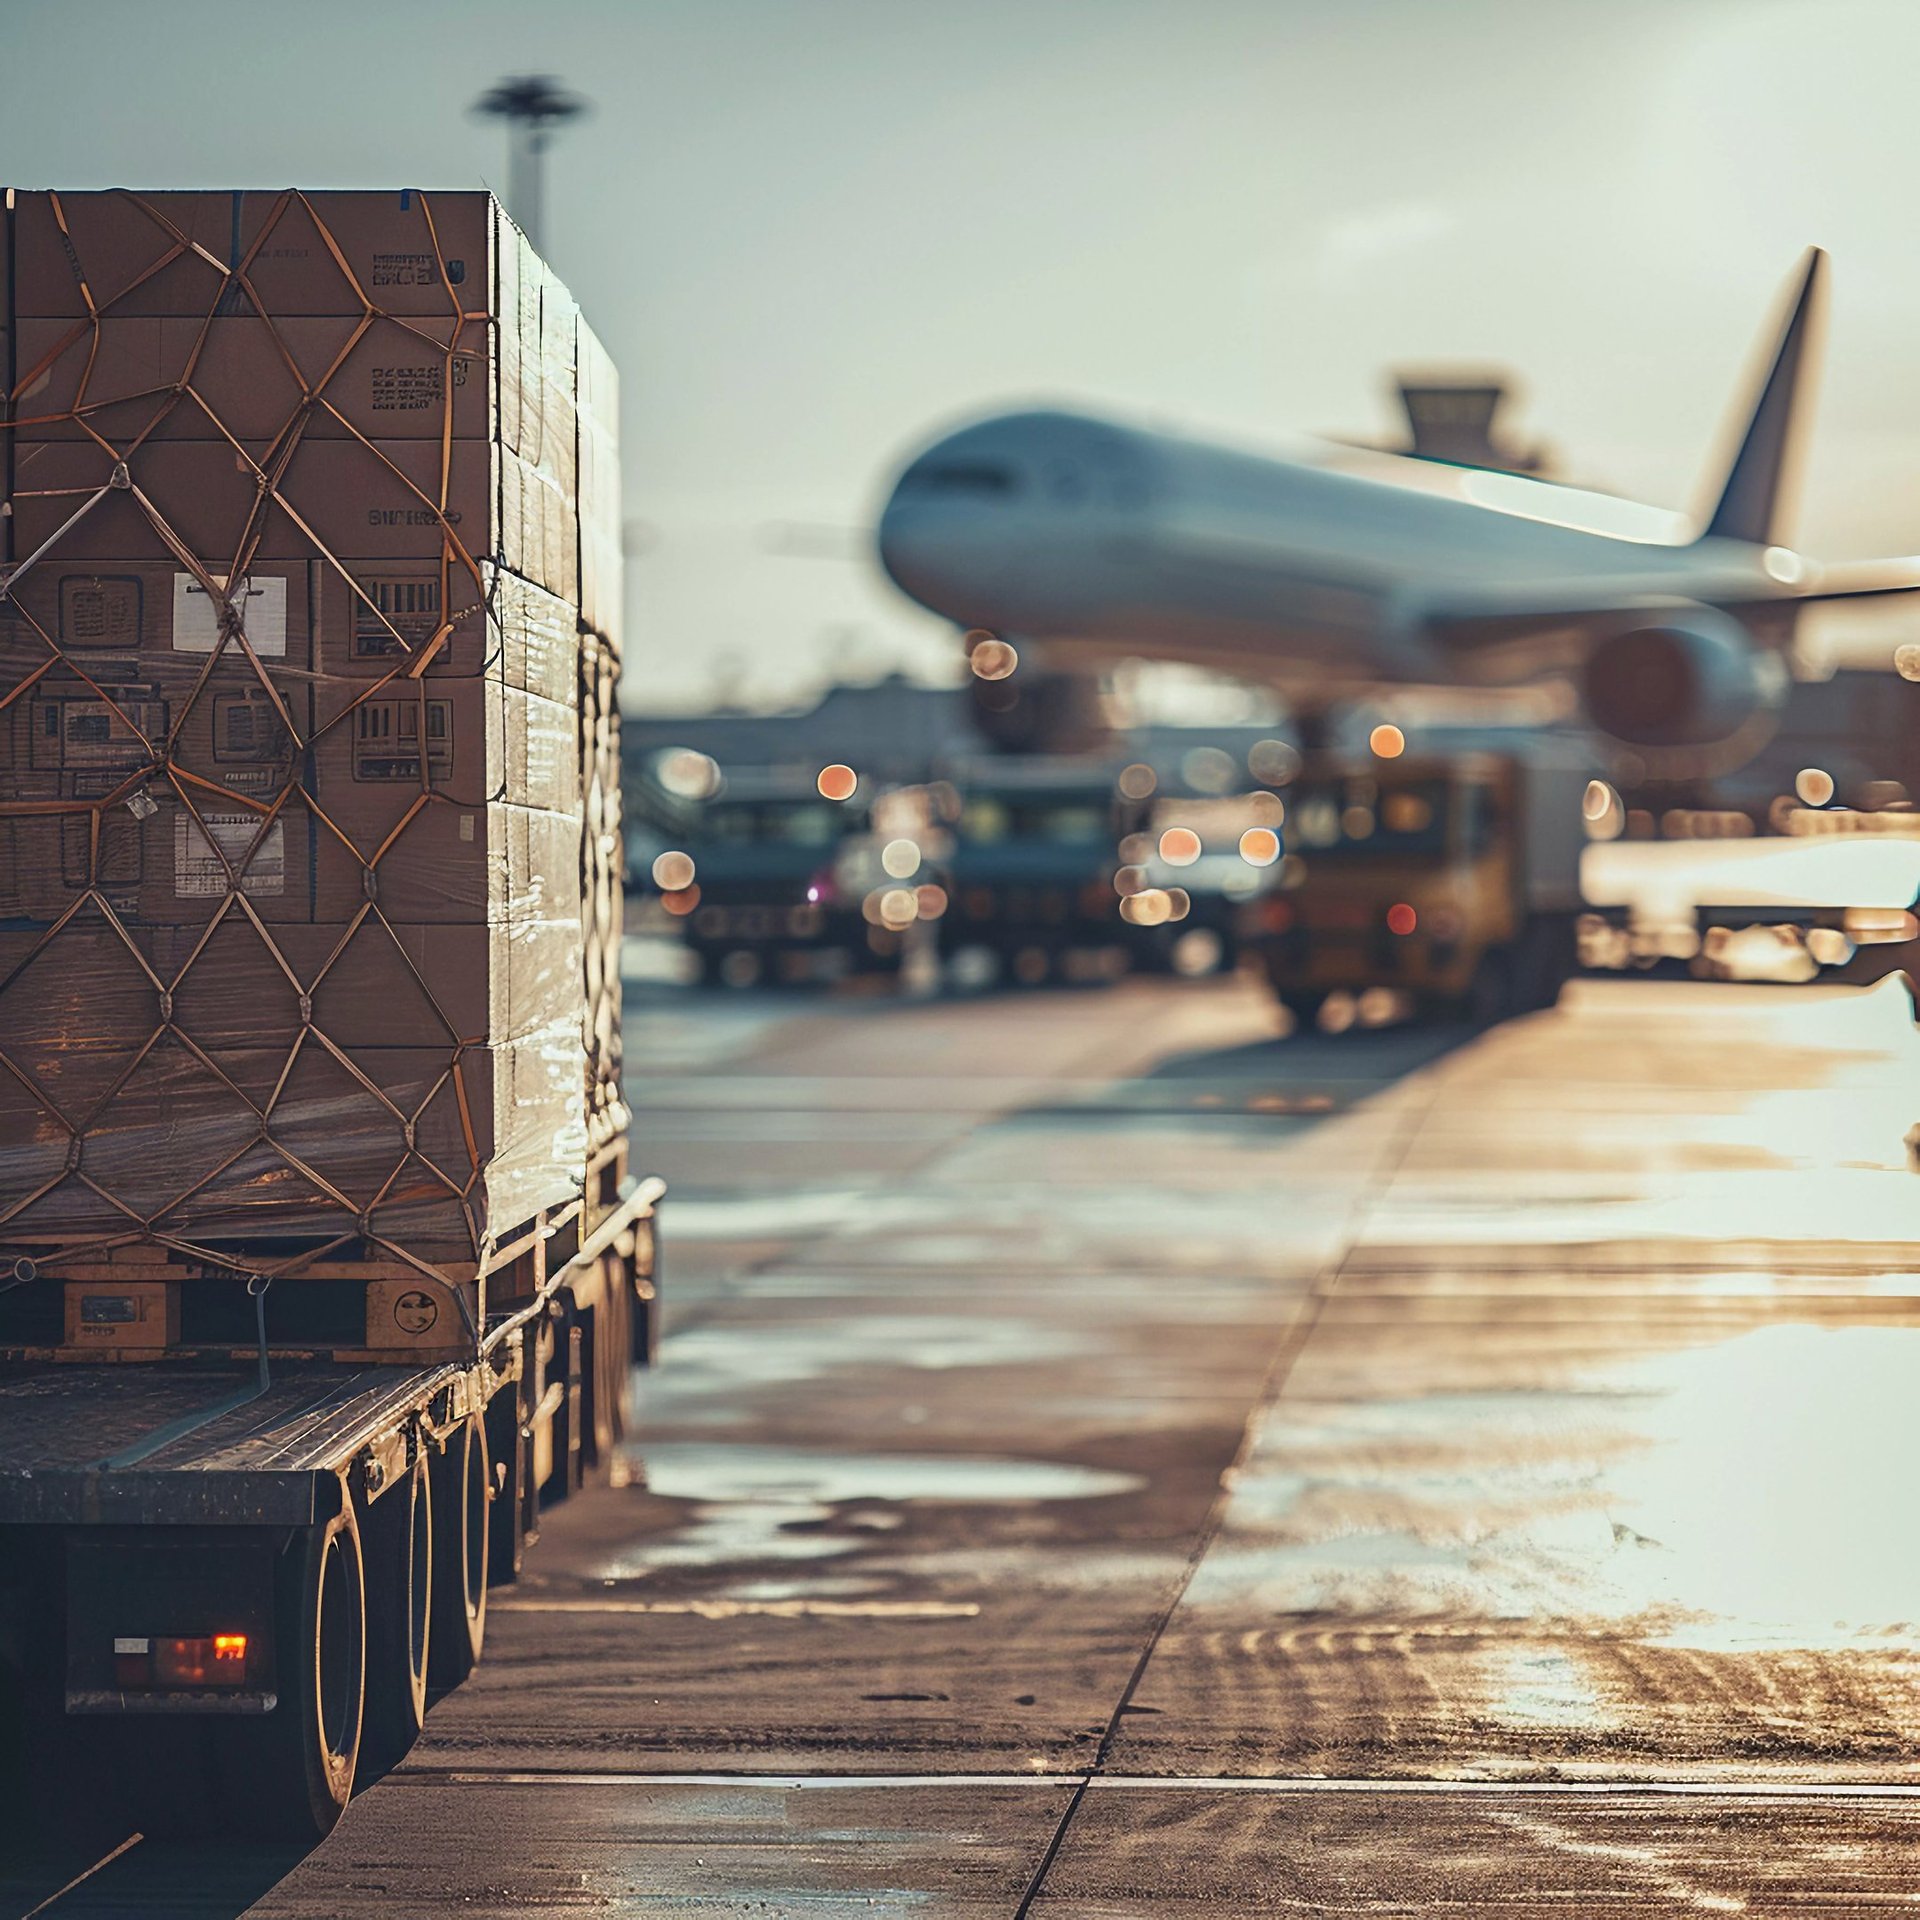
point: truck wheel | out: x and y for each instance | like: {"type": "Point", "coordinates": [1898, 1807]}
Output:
{"type": "Point", "coordinates": [290, 1773]}
{"type": "Point", "coordinates": [1305, 1008]}
{"type": "Point", "coordinates": [459, 1598]}
{"type": "Point", "coordinates": [507, 1515]}
{"type": "Point", "coordinates": [1490, 999]}
{"type": "Point", "coordinates": [398, 1532]}
{"type": "Point", "coordinates": [644, 1347]}
{"type": "Point", "coordinates": [1549, 957]}
{"type": "Point", "coordinates": [1031, 965]}
{"type": "Point", "coordinates": [612, 1344]}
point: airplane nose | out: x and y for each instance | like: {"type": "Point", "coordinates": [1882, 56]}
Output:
{"type": "Point", "coordinates": [982, 524]}
{"type": "Point", "coordinates": [957, 572]}
{"type": "Point", "coordinates": [943, 536]}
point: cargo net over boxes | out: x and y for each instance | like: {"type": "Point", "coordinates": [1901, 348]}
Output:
{"type": "Point", "coordinates": [309, 806]}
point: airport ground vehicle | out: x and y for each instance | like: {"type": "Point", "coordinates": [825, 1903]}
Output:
{"type": "Point", "coordinates": [1834, 898]}
{"type": "Point", "coordinates": [1210, 880]}
{"type": "Point", "coordinates": [766, 904]}
{"type": "Point", "coordinates": [1438, 884]}
{"type": "Point", "coordinates": [1034, 853]}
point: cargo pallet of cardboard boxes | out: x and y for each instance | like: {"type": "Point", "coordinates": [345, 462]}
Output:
{"type": "Point", "coordinates": [309, 972]}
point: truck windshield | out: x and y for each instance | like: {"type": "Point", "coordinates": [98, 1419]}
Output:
{"type": "Point", "coordinates": [1368, 819]}
{"type": "Point", "coordinates": [772, 823]}
{"type": "Point", "coordinates": [988, 819]}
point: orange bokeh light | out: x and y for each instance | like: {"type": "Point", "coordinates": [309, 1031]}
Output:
{"type": "Point", "coordinates": [1259, 846]}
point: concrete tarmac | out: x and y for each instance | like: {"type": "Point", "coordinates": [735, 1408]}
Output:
{"type": "Point", "coordinates": [1109, 1461]}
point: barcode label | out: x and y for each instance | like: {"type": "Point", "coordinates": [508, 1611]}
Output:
{"type": "Point", "coordinates": [199, 872]}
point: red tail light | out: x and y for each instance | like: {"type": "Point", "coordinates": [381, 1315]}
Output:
{"type": "Point", "coordinates": [182, 1662]}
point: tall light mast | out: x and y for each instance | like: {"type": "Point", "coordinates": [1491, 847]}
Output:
{"type": "Point", "coordinates": [532, 105]}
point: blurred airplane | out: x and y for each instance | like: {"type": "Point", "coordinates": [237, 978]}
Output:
{"type": "Point", "coordinates": [1339, 571]}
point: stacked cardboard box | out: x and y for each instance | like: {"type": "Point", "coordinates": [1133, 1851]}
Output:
{"type": "Point", "coordinates": [308, 648]}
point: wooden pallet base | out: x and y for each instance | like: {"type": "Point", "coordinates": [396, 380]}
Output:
{"type": "Point", "coordinates": [147, 1300]}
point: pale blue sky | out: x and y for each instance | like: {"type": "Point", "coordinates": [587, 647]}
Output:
{"type": "Point", "coordinates": [812, 230]}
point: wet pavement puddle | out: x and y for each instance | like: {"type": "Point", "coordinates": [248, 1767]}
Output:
{"type": "Point", "coordinates": [755, 1504]}
{"type": "Point", "coordinates": [684, 1470]}
{"type": "Point", "coordinates": [713, 1358]}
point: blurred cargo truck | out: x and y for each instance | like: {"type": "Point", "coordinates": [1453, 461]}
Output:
{"type": "Point", "coordinates": [1429, 885]}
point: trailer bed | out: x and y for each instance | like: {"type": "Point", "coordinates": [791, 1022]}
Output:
{"type": "Point", "coordinates": [67, 1434]}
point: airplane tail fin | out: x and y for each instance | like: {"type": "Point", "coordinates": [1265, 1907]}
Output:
{"type": "Point", "coordinates": [1757, 495]}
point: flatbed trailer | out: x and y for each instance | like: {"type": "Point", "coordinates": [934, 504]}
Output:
{"type": "Point", "coordinates": [229, 1580]}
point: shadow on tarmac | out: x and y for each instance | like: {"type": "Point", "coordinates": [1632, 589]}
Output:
{"type": "Point", "coordinates": [184, 1880]}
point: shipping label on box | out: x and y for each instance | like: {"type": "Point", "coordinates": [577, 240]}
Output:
{"type": "Point", "coordinates": [259, 607]}
{"type": "Point", "coordinates": [183, 881]}
{"type": "Point", "coordinates": [233, 851]}
{"type": "Point", "coordinates": [72, 741]}
{"type": "Point", "coordinates": [407, 252]}
{"type": "Point", "coordinates": [382, 616]}
{"type": "Point", "coordinates": [74, 730]}
{"type": "Point", "coordinates": [130, 617]}
{"type": "Point", "coordinates": [100, 610]}
{"type": "Point", "coordinates": [389, 737]}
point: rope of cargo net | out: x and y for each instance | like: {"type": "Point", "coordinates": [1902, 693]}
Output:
{"type": "Point", "coordinates": [150, 1227]}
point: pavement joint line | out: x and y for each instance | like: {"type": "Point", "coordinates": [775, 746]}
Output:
{"type": "Point", "coordinates": [1406, 1123]}
{"type": "Point", "coordinates": [1755, 1790]}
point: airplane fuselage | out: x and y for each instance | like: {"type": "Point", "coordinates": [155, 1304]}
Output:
{"type": "Point", "coordinates": [1104, 540]}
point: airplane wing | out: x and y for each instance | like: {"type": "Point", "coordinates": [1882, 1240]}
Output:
{"type": "Point", "coordinates": [1509, 610]}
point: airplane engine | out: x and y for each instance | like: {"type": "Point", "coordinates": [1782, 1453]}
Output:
{"type": "Point", "coordinates": [1693, 679]}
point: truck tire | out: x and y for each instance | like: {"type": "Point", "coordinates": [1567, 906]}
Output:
{"type": "Point", "coordinates": [461, 1486]}
{"type": "Point", "coordinates": [644, 1348]}
{"type": "Point", "coordinates": [508, 1456]}
{"type": "Point", "coordinates": [610, 1343]}
{"type": "Point", "coordinates": [289, 1774]}
{"type": "Point", "coordinates": [1304, 1007]}
{"type": "Point", "coordinates": [1549, 958]}
{"type": "Point", "coordinates": [1490, 997]}
{"type": "Point", "coordinates": [398, 1533]}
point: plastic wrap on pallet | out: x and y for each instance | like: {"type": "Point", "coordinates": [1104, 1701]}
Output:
{"type": "Point", "coordinates": [602, 905]}
{"type": "Point", "coordinates": [302, 809]}
{"type": "Point", "coordinates": [601, 524]}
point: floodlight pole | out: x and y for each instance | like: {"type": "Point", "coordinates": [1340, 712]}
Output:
{"type": "Point", "coordinates": [532, 104]}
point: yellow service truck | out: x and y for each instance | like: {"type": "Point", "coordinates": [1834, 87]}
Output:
{"type": "Point", "coordinates": [1426, 885]}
